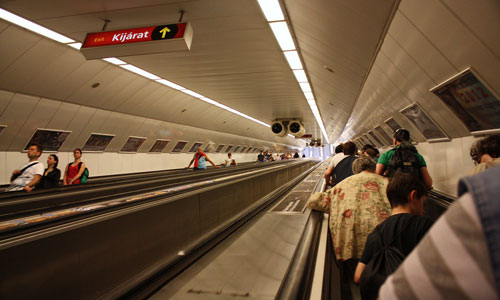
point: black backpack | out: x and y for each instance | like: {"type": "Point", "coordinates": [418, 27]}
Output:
{"type": "Point", "coordinates": [404, 160]}
{"type": "Point", "coordinates": [380, 266]}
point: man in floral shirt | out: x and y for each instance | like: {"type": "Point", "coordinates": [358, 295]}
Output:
{"type": "Point", "coordinates": [356, 206]}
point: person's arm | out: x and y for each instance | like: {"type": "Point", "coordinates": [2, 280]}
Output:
{"type": "Point", "coordinates": [29, 187]}
{"type": "Point", "coordinates": [216, 166]}
{"type": "Point", "coordinates": [328, 172]}
{"type": "Point", "coordinates": [380, 169]}
{"type": "Point", "coordinates": [359, 270]}
{"type": "Point", "coordinates": [14, 174]}
{"type": "Point", "coordinates": [190, 163]}
{"type": "Point", "coordinates": [65, 178]}
{"type": "Point", "coordinates": [426, 177]}
{"type": "Point", "coordinates": [82, 168]}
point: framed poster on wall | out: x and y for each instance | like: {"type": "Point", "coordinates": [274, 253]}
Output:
{"type": "Point", "coordinates": [219, 149]}
{"type": "Point", "coordinates": [417, 116]}
{"type": "Point", "coordinates": [228, 149]}
{"type": "Point", "coordinates": [179, 147]}
{"type": "Point", "coordinates": [50, 140]}
{"type": "Point", "coordinates": [471, 101]}
{"type": "Point", "coordinates": [384, 135]}
{"type": "Point", "coordinates": [195, 146]}
{"type": "Point", "coordinates": [158, 146]}
{"type": "Point", "coordinates": [392, 124]}
{"type": "Point", "coordinates": [209, 148]}
{"type": "Point", "coordinates": [133, 144]}
{"type": "Point", "coordinates": [98, 142]}
{"type": "Point", "coordinates": [376, 139]}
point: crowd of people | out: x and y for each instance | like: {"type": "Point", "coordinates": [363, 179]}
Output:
{"type": "Point", "coordinates": [33, 175]}
{"type": "Point", "coordinates": [376, 207]}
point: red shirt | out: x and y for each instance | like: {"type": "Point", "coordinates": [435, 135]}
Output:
{"type": "Point", "coordinates": [197, 156]}
{"type": "Point", "coordinates": [72, 172]}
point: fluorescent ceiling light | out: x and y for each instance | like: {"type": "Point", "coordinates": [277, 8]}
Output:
{"type": "Point", "coordinates": [293, 59]}
{"type": "Point", "coordinates": [306, 88]}
{"type": "Point", "coordinates": [292, 136]}
{"type": "Point", "coordinates": [208, 100]}
{"type": "Point", "coordinates": [309, 95]}
{"type": "Point", "coordinates": [272, 10]}
{"type": "Point", "coordinates": [12, 18]}
{"type": "Point", "coordinates": [171, 84]}
{"type": "Point", "coordinates": [114, 61]}
{"type": "Point", "coordinates": [194, 94]}
{"type": "Point", "coordinates": [139, 71]}
{"type": "Point", "coordinates": [77, 46]}
{"type": "Point", "coordinates": [282, 34]}
{"type": "Point", "coordinates": [300, 75]}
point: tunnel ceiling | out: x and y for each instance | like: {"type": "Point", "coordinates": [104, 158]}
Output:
{"type": "Point", "coordinates": [234, 59]}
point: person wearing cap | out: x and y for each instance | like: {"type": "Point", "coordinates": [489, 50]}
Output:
{"type": "Point", "coordinates": [402, 138]}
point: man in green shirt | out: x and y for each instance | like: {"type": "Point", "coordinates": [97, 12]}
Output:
{"type": "Point", "coordinates": [403, 136]}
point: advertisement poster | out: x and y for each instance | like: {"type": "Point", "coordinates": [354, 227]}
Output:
{"type": "Point", "coordinates": [97, 142]}
{"type": "Point", "coordinates": [209, 148]}
{"type": "Point", "coordinates": [392, 124]}
{"type": "Point", "coordinates": [423, 123]}
{"type": "Point", "coordinates": [158, 146]}
{"type": "Point", "coordinates": [195, 146]}
{"type": "Point", "coordinates": [219, 149]}
{"type": "Point", "coordinates": [228, 149]}
{"type": "Point", "coordinates": [179, 147]}
{"type": "Point", "coordinates": [132, 144]}
{"type": "Point", "coordinates": [50, 140]}
{"type": "Point", "coordinates": [236, 149]}
{"type": "Point", "coordinates": [384, 135]}
{"type": "Point", "coordinates": [376, 139]}
{"type": "Point", "coordinates": [471, 101]}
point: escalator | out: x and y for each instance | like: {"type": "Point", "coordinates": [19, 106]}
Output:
{"type": "Point", "coordinates": [109, 249]}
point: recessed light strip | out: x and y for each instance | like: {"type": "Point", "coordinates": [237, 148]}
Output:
{"type": "Point", "coordinates": [26, 24]}
{"type": "Point", "coordinates": [274, 15]}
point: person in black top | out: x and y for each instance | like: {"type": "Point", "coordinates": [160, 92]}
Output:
{"type": "Point", "coordinates": [52, 174]}
{"type": "Point", "coordinates": [261, 157]}
{"type": "Point", "coordinates": [407, 196]}
{"type": "Point", "coordinates": [343, 169]}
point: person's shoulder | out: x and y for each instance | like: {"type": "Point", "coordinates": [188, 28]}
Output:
{"type": "Point", "coordinates": [384, 157]}
{"type": "Point", "coordinates": [39, 168]}
{"type": "Point", "coordinates": [422, 221]}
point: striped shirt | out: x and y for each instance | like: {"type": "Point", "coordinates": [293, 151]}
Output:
{"type": "Point", "coordinates": [451, 262]}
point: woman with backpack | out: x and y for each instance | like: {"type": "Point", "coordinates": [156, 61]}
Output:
{"type": "Point", "coordinates": [74, 170]}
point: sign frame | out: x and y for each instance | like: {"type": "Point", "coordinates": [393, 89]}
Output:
{"type": "Point", "coordinates": [163, 149]}
{"type": "Point", "coordinates": [430, 140]}
{"type": "Point", "coordinates": [44, 129]}
{"type": "Point", "coordinates": [136, 150]}
{"type": "Point", "coordinates": [98, 134]}
{"type": "Point", "coordinates": [467, 70]}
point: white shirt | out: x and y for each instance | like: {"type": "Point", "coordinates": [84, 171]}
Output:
{"type": "Point", "coordinates": [27, 176]}
{"type": "Point", "coordinates": [336, 159]}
